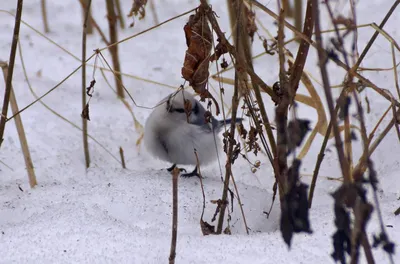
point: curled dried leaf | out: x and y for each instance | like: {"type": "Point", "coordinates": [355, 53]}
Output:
{"type": "Point", "coordinates": [85, 112]}
{"type": "Point", "coordinates": [197, 59]}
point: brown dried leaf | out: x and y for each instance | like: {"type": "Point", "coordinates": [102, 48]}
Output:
{"type": "Point", "coordinates": [85, 112]}
{"type": "Point", "coordinates": [195, 66]}
{"type": "Point", "coordinates": [206, 228]}
{"type": "Point", "coordinates": [138, 7]}
{"type": "Point", "coordinates": [251, 23]}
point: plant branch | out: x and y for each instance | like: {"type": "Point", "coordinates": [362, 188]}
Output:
{"type": "Point", "coordinates": [11, 62]}
{"type": "Point", "coordinates": [84, 120]}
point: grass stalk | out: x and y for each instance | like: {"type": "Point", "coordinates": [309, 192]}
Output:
{"type": "Point", "coordinates": [21, 132]}
{"type": "Point", "coordinates": [84, 120]}
{"type": "Point", "coordinates": [112, 25]}
{"type": "Point", "coordinates": [44, 15]}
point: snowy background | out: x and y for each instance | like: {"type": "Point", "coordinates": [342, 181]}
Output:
{"type": "Point", "coordinates": [110, 215]}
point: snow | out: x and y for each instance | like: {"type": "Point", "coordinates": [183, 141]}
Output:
{"type": "Point", "coordinates": [110, 215]}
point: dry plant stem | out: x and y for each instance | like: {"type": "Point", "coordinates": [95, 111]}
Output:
{"type": "Point", "coordinates": [121, 153]}
{"type": "Point", "coordinates": [94, 54]}
{"type": "Point", "coordinates": [231, 137]}
{"type": "Point", "coordinates": [281, 167]}
{"type": "Point", "coordinates": [120, 15]}
{"type": "Point", "coordinates": [321, 154]}
{"type": "Point", "coordinates": [84, 120]}
{"type": "Point", "coordinates": [112, 25]}
{"type": "Point", "coordinates": [175, 176]}
{"type": "Point", "coordinates": [11, 62]}
{"type": "Point", "coordinates": [338, 62]}
{"type": "Point", "coordinates": [86, 8]}
{"type": "Point", "coordinates": [325, 80]}
{"type": "Point", "coordinates": [298, 15]}
{"type": "Point", "coordinates": [372, 40]}
{"type": "Point", "coordinates": [147, 30]}
{"type": "Point", "coordinates": [93, 22]}
{"type": "Point", "coordinates": [347, 141]}
{"type": "Point", "coordinates": [21, 133]}
{"type": "Point", "coordinates": [396, 77]}
{"type": "Point", "coordinates": [44, 15]}
{"type": "Point", "coordinates": [51, 110]}
{"type": "Point", "coordinates": [240, 65]}
{"type": "Point", "coordinates": [302, 52]}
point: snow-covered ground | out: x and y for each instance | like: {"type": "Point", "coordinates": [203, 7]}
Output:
{"type": "Point", "coordinates": [110, 215]}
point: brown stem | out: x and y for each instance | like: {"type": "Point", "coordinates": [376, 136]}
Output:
{"type": "Point", "coordinates": [302, 52]}
{"type": "Point", "coordinates": [112, 25]}
{"type": "Point", "coordinates": [86, 8]}
{"type": "Point", "coordinates": [11, 62]}
{"type": "Point", "coordinates": [338, 62]}
{"type": "Point", "coordinates": [121, 154]}
{"type": "Point", "coordinates": [281, 112]}
{"type": "Point", "coordinates": [94, 23]}
{"type": "Point", "coordinates": [84, 120]}
{"type": "Point", "coordinates": [120, 15]}
{"type": "Point", "coordinates": [172, 254]}
{"type": "Point", "coordinates": [325, 80]}
{"type": "Point", "coordinates": [21, 133]}
{"type": "Point", "coordinates": [44, 14]}
{"type": "Point", "coordinates": [231, 137]}
{"type": "Point", "coordinates": [372, 40]}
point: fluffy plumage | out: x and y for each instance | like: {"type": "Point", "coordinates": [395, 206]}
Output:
{"type": "Point", "coordinates": [171, 134]}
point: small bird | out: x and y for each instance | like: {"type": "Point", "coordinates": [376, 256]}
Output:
{"type": "Point", "coordinates": [177, 126]}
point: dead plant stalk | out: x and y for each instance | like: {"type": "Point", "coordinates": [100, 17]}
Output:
{"type": "Point", "coordinates": [11, 62]}
{"type": "Point", "coordinates": [231, 137]}
{"type": "Point", "coordinates": [112, 25]}
{"type": "Point", "coordinates": [21, 133]}
{"type": "Point", "coordinates": [84, 120]}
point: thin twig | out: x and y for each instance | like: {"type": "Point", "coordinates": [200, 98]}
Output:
{"type": "Point", "coordinates": [119, 14]}
{"type": "Point", "coordinates": [325, 79]}
{"type": "Point", "coordinates": [231, 137]}
{"type": "Point", "coordinates": [11, 62]}
{"type": "Point", "coordinates": [376, 33]}
{"type": "Point", "coordinates": [112, 25]}
{"type": "Point", "coordinates": [93, 23]}
{"type": "Point", "coordinates": [21, 133]}
{"type": "Point", "coordinates": [84, 120]}
{"type": "Point", "coordinates": [175, 176]}
{"type": "Point", "coordinates": [121, 153]}
{"type": "Point", "coordinates": [44, 15]}
{"type": "Point", "coordinates": [52, 110]}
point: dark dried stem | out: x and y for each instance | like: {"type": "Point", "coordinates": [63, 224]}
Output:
{"type": "Point", "coordinates": [84, 120]}
{"type": "Point", "coordinates": [302, 52]}
{"type": "Point", "coordinates": [21, 132]}
{"type": "Point", "coordinates": [44, 15]}
{"type": "Point", "coordinates": [231, 137]}
{"type": "Point", "coordinates": [372, 40]}
{"type": "Point", "coordinates": [241, 65]}
{"type": "Point", "coordinates": [120, 15]}
{"type": "Point", "coordinates": [175, 176]}
{"type": "Point", "coordinates": [325, 80]}
{"type": "Point", "coordinates": [112, 25]}
{"type": "Point", "coordinates": [121, 154]}
{"type": "Point", "coordinates": [93, 22]}
{"type": "Point", "coordinates": [281, 113]}
{"type": "Point", "coordinates": [338, 62]}
{"type": "Point", "coordinates": [11, 62]}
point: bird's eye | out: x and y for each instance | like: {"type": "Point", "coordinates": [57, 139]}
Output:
{"type": "Point", "coordinates": [195, 109]}
{"type": "Point", "coordinates": [179, 110]}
